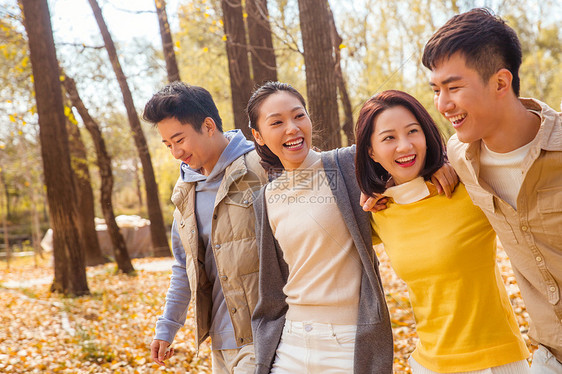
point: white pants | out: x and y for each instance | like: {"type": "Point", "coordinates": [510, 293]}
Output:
{"type": "Point", "coordinates": [544, 362]}
{"type": "Point", "coordinates": [517, 367]}
{"type": "Point", "coordinates": [234, 361]}
{"type": "Point", "coordinates": [312, 347]}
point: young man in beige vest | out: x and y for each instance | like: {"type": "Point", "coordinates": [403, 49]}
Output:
{"type": "Point", "coordinates": [508, 152]}
{"type": "Point", "coordinates": [213, 233]}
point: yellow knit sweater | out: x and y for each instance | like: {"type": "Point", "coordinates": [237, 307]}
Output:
{"type": "Point", "coordinates": [445, 251]}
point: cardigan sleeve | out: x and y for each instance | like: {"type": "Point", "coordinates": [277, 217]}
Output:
{"type": "Point", "coordinates": [374, 236]}
{"type": "Point", "coordinates": [268, 318]}
{"type": "Point", "coordinates": [373, 341]}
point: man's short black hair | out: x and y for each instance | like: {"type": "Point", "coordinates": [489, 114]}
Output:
{"type": "Point", "coordinates": [188, 104]}
{"type": "Point", "coordinates": [486, 42]}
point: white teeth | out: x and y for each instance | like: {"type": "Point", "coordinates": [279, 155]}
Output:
{"type": "Point", "coordinates": [406, 159]}
{"type": "Point", "coordinates": [457, 118]}
{"type": "Point", "coordinates": [294, 142]}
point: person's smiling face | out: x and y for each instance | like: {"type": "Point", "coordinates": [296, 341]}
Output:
{"type": "Point", "coordinates": [463, 98]}
{"type": "Point", "coordinates": [285, 127]}
{"type": "Point", "coordinates": [398, 144]}
{"type": "Point", "coordinates": [185, 143]}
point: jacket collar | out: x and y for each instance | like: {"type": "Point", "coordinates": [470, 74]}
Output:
{"type": "Point", "coordinates": [550, 132]}
{"type": "Point", "coordinates": [182, 190]}
{"type": "Point", "coordinates": [233, 172]}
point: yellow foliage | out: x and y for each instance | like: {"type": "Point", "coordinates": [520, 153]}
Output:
{"type": "Point", "coordinates": [102, 343]}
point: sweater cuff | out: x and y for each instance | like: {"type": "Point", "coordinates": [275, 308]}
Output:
{"type": "Point", "coordinates": [166, 330]}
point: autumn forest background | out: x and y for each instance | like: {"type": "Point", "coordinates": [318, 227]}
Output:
{"type": "Point", "coordinates": [74, 78]}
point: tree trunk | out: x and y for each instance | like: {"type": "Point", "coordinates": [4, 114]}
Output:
{"type": "Point", "coordinates": [70, 269]}
{"type": "Point", "coordinates": [321, 86]}
{"type": "Point", "coordinates": [138, 184]}
{"type": "Point", "coordinates": [160, 245]}
{"type": "Point", "coordinates": [35, 226]}
{"type": "Point", "coordinates": [84, 194]}
{"type": "Point", "coordinates": [344, 97]}
{"type": "Point", "coordinates": [5, 222]}
{"type": "Point", "coordinates": [6, 195]}
{"type": "Point", "coordinates": [238, 65]}
{"type": "Point", "coordinates": [6, 240]}
{"type": "Point", "coordinates": [264, 65]}
{"type": "Point", "coordinates": [104, 163]}
{"type": "Point", "coordinates": [167, 42]}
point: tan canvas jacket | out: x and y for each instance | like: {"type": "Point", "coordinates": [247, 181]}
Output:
{"type": "Point", "coordinates": [234, 246]}
{"type": "Point", "coordinates": [532, 234]}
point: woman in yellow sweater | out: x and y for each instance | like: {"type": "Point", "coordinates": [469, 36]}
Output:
{"type": "Point", "coordinates": [444, 249]}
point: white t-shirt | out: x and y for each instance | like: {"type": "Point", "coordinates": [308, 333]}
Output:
{"type": "Point", "coordinates": [503, 171]}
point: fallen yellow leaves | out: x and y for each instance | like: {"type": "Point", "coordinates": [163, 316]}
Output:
{"type": "Point", "coordinates": [106, 332]}
{"type": "Point", "coordinates": [110, 330]}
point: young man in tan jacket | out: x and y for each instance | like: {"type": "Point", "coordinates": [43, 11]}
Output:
{"type": "Point", "coordinates": [508, 152]}
{"type": "Point", "coordinates": [213, 233]}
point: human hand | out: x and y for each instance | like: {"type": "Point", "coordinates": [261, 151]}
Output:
{"type": "Point", "coordinates": [373, 203]}
{"type": "Point", "coordinates": [161, 350]}
{"type": "Point", "coordinates": [445, 180]}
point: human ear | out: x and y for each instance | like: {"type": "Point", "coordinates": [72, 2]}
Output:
{"type": "Point", "coordinates": [372, 154]}
{"type": "Point", "coordinates": [258, 137]}
{"type": "Point", "coordinates": [503, 80]}
{"type": "Point", "coordinates": [209, 126]}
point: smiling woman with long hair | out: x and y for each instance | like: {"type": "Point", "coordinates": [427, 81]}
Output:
{"type": "Point", "coordinates": [321, 305]}
{"type": "Point", "coordinates": [444, 249]}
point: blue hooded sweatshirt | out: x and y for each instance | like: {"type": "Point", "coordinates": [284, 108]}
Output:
{"type": "Point", "coordinates": [179, 293]}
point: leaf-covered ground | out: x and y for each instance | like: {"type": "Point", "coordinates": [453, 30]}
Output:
{"type": "Point", "coordinates": [110, 330]}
